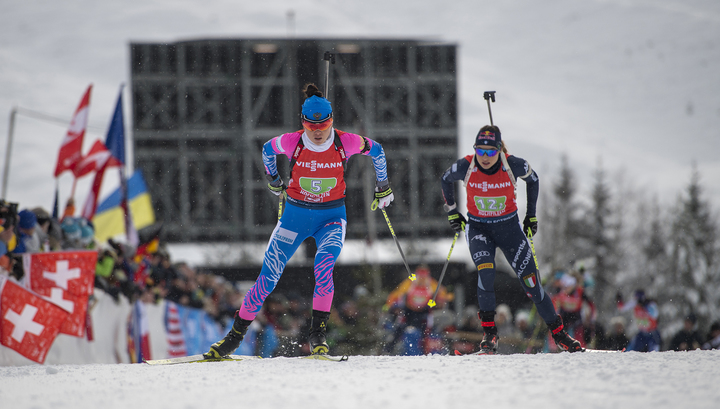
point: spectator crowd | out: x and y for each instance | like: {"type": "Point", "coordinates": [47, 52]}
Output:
{"type": "Point", "coordinates": [363, 323]}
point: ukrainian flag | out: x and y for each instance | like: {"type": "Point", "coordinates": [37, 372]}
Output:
{"type": "Point", "coordinates": [109, 219]}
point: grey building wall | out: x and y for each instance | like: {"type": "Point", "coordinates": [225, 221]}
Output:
{"type": "Point", "coordinates": [202, 110]}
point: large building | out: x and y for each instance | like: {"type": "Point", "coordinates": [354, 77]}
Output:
{"type": "Point", "coordinates": [202, 110]}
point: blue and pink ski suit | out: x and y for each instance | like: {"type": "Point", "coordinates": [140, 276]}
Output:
{"type": "Point", "coordinates": [315, 207]}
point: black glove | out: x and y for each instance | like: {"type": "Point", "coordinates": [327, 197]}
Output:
{"type": "Point", "coordinates": [530, 222]}
{"type": "Point", "coordinates": [276, 184]}
{"type": "Point", "coordinates": [457, 220]}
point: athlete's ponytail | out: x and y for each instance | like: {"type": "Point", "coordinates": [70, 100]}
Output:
{"type": "Point", "coordinates": [312, 90]}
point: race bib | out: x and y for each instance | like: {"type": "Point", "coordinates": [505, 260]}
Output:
{"type": "Point", "coordinates": [317, 186]}
{"type": "Point", "coordinates": [490, 204]}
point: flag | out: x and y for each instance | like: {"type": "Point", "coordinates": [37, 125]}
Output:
{"type": "Point", "coordinates": [109, 219]}
{"type": "Point", "coordinates": [98, 157]}
{"type": "Point", "coordinates": [138, 334]}
{"type": "Point", "coordinates": [149, 238]}
{"type": "Point", "coordinates": [91, 201]}
{"type": "Point", "coordinates": [71, 147]}
{"type": "Point", "coordinates": [115, 140]}
{"type": "Point", "coordinates": [75, 305]}
{"type": "Point", "coordinates": [66, 279]}
{"type": "Point", "coordinates": [176, 340]}
{"type": "Point", "coordinates": [28, 324]}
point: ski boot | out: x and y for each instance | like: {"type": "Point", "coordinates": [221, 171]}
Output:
{"type": "Point", "coordinates": [231, 342]}
{"type": "Point", "coordinates": [564, 341]}
{"type": "Point", "coordinates": [318, 343]}
{"type": "Point", "coordinates": [489, 343]}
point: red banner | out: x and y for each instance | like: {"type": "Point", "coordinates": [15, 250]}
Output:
{"type": "Point", "coordinates": [71, 147]}
{"type": "Point", "coordinates": [65, 278]}
{"type": "Point", "coordinates": [29, 324]}
{"type": "Point", "coordinates": [73, 271]}
{"type": "Point", "coordinates": [75, 305]}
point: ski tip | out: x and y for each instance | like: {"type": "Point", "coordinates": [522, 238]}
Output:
{"type": "Point", "coordinates": [457, 352]}
{"type": "Point", "coordinates": [325, 357]}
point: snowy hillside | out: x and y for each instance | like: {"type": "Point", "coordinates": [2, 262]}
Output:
{"type": "Point", "coordinates": [590, 380]}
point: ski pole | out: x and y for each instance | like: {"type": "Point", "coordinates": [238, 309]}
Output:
{"type": "Point", "coordinates": [432, 303]}
{"type": "Point", "coordinates": [532, 248]}
{"type": "Point", "coordinates": [489, 95]}
{"type": "Point", "coordinates": [281, 202]}
{"type": "Point", "coordinates": [374, 207]}
{"type": "Point", "coordinates": [329, 58]}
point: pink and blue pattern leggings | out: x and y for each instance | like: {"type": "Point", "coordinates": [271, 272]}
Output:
{"type": "Point", "coordinates": [328, 227]}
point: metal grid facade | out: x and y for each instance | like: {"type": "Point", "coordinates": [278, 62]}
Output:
{"type": "Point", "coordinates": [202, 110]}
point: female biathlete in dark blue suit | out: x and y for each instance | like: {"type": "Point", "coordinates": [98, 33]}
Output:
{"type": "Point", "coordinates": [493, 222]}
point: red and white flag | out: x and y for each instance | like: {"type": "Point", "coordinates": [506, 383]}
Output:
{"type": "Point", "coordinates": [71, 148]}
{"type": "Point", "coordinates": [176, 340]}
{"type": "Point", "coordinates": [28, 323]}
{"type": "Point", "coordinates": [91, 202]}
{"type": "Point", "coordinates": [95, 160]}
{"type": "Point", "coordinates": [73, 271]}
{"type": "Point", "coordinates": [75, 305]}
{"type": "Point", "coordinates": [98, 160]}
{"type": "Point", "coordinates": [66, 279]}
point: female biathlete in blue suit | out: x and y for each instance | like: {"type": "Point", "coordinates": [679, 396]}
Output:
{"type": "Point", "coordinates": [493, 222]}
{"type": "Point", "coordinates": [315, 207]}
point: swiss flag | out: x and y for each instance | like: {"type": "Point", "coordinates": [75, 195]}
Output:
{"type": "Point", "coordinates": [65, 279]}
{"type": "Point", "coordinates": [71, 147]}
{"type": "Point", "coordinates": [75, 305]}
{"type": "Point", "coordinates": [73, 271]}
{"type": "Point", "coordinates": [28, 323]}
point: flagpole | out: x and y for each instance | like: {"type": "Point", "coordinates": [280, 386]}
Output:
{"type": "Point", "coordinates": [6, 169]}
{"type": "Point", "coordinates": [72, 191]}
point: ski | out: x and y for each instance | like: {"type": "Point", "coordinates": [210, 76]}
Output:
{"type": "Point", "coordinates": [323, 357]}
{"type": "Point", "coordinates": [197, 358]}
{"type": "Point", "coordinates": [601, 350]}
{"type": "Point", "coordinates": [480, 352]}
{"type": "Point", "coordinates": [495, 353]}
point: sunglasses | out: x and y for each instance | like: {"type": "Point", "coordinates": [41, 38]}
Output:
{"type": "Point", "coordinates": [489, 152]}
{"type": "Point", "coordinates": [317, 126]}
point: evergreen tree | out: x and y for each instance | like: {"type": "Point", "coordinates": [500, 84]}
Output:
{"type": "Point", "coordinates": [647, 254]}
{"type": "Point", "coordinates": [603, 241]}
{"type": "Point", "coordinates": [562, 224]}
{"type": "Point", "coordinates": [693, 284]}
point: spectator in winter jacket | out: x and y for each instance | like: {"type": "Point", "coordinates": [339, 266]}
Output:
{"type": "Point", "coordinates": [645, 315]}
{"type": "Point", "coordinates": [713, 341]}
{"type": "Point", "coordinates": [28, 237]}
{"type": "Point", "coordinates": [687, 339]}
{"type": "Point", "coordinates": [616, 339]}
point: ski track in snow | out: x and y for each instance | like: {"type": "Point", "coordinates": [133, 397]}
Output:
{"type": "Point", "coordinates": [582, 380]}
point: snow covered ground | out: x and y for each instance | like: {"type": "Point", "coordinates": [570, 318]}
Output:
{"type": "Point", "coordinates": [589, 380]}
